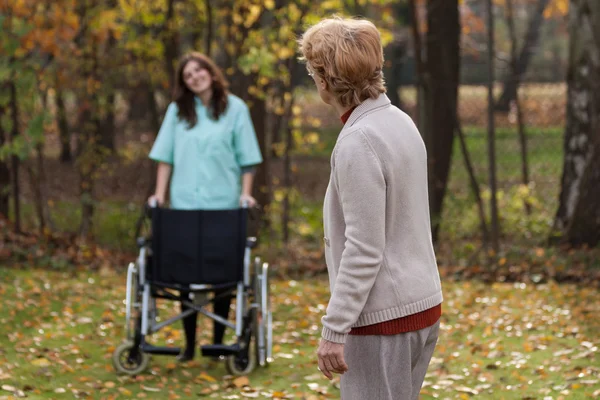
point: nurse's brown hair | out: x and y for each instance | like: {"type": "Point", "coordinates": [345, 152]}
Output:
{"type": "Point", "coordinates": [184, 97]}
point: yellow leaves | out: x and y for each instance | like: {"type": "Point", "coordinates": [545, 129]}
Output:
{"type": "Point", "coordinates": [386, 37]}
{"type": "Point", "coordinates": [296, 110]}
{"type": "Point", "coordinates": [528, 347]}
{"type": "Point", "coordinates": [557, 8]}
{"type": "Point", "coordinates": [205, 377]}
{"type": "Point", "coordinates": [125, 392]}
{"type": "Point", "coordinates": [254, 12]}
{"type": "Point", "coordinates": [41, 362]}
{"type": "Point", "coordinates": [285, 53]}
{"type": "Point", "coordinates": [488, 331]}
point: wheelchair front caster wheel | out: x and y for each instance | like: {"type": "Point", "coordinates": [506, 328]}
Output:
{"type": "Point", "coordinates": [129, 360]}
{"type": "Point", "coordinates": [242, 363]}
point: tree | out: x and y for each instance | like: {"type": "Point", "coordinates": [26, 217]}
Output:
{"type": "Point", "coordinates": [396, 53]}
{"type": "Point", "coordinates": [440, 79]}
{"type": "Point", "coordinates": [27, 48]}
{"type": "Point", "coordinates": [512, 80]}
{"type": "Point", "coordinates": [577, 220]}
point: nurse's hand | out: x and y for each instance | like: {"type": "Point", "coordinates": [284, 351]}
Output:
{"type": "Point", "coordinates": [248, 200]}
{"type": "Point", "coordinates": [156, 200]}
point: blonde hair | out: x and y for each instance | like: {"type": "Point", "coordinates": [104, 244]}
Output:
{"type": "Point", "coordinates": [348, 55]}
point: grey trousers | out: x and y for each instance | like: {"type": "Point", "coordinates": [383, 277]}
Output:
{"type": "Point", "coordinates": [387, 367]}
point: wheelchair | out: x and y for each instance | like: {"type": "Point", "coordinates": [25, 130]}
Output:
{"type": "Point", "coordinates": [197, 253]}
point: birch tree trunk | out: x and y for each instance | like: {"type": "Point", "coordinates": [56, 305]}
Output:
{"type": "Point", "coordinates": [577, 220]}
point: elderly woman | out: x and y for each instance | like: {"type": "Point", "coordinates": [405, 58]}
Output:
{"type": "Point", "coordinates": [382, 322]}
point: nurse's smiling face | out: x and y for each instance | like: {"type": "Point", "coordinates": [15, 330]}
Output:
{"type": "Point", "coordinates": [197, 78]}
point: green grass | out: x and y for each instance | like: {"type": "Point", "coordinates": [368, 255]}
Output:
{"type": "Point", "coordinates": [544, 156]}
{"type": "Point", "coordinates": [504, 341]}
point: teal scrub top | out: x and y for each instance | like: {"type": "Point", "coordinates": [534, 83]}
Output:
{"type": "Point", "coordinates": [207, 159]}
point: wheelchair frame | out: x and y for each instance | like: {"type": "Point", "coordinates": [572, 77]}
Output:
{"type": "Point", "coordinates": [253, 318]}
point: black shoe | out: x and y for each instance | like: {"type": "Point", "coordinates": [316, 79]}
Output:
{"type": "Point", "coordinates": [184, 357]}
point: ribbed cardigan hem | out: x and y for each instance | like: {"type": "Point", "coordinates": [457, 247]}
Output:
{"type": "Point", "coordinates": [399, 312]}
{"type": "Point", "coordinates": [385, 315]}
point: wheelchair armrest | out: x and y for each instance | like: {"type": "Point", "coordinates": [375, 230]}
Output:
{"type": "Point", "coordinates": [251, 242]}
{"type": "Point", "coordinates": [143, 241]}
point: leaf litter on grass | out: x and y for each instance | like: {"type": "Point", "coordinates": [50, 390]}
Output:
{"type": "Point", "coordinates": [512, 341]}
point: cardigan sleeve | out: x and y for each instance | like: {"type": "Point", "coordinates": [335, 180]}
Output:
{"type": "Point", "coordinates": [362, 189]}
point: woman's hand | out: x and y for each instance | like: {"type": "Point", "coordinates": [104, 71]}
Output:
{"type": "Point", "coordinates": [248, 200]}
{"type": "Point", "coordinates": [156, 200]}
{"type": "Point", "coordinates": [331, 358]}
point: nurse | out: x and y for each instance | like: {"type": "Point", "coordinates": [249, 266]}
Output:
{"type": "Point", "coordinates": [207, 153]}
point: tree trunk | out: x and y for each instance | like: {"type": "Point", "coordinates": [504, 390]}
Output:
{"type": "Point", "coordinates": [510, 21]}
{"type": "Point", "coordinates": [442, 68]}
{"type": "Point", "coordinates": [491, 133]}
{"type": "Point", "coordinates": [63, 127]}
{"type": "Point", "coordinates": [258, 113]}
{"type": "Point", "coordinates": [89, 161]}
{"type": "Point", "coordinates": [511, 82]}
{"type": "Point", "coordinates": [393, 73]}
{"type": "Point", "coordinates": [4, 170]}
{"type": "Point", "coordinates": [209, 28]}
{"type": "Point", "coordinates": [395, 57]}
{"type": "Point", "coordinates": [90, 156]}
{"type": "Point", "coordinates": [15, 162]}
{"type": "Point", "coordinates": [38, 187]}
{"type": "Point", "coordinates": [171, 44]}
{"type": "Point", "coordinates": [578, 217]}
{"type": "Point", "coordinates": [154, 128]}
{"type": "Point", "coordinates": [108, 126]}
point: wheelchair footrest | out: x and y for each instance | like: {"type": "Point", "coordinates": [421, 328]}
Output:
{"type": "Point", "coordinates": [166, 351]}
{"type": "Point", "coordinates": [216, 350]}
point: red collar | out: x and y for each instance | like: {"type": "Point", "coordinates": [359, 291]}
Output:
{"type": "Point", "coordinates": [346, 115]}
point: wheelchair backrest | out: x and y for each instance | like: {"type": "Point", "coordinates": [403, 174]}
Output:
{"type": "Point", "coordinates": [198, 246]}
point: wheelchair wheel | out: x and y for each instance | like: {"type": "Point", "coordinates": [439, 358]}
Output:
{"type": "Point", "coordinates": [244, 362]}
{"type": "Point", "coordinates": [133, 301]}
{"type": "Point", "coordinates": [128, 359]}
{"type": "Point", "coordinates": [263, 319]}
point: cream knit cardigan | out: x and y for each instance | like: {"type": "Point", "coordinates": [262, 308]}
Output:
{"type": "Point", "coordinates": [378, 246]}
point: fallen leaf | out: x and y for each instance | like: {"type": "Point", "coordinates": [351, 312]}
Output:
{"type": "Point", "coordinates": [205, 377]}
{"type": "Point", "coordinates": [9, 388]}
{"type": "Point", "coordinates": [41, 362]}
{"type": "Point", "coordinates": [241, 382]}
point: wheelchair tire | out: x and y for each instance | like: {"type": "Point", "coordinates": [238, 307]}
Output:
{"type": "Point", "coordinates": [263, 319]}
{"type": "Point", "coordinates": [268, 316]}
{"type": "Point", "coordinates": [244, 362]}
{"type": "Point", "coordinates": [125, 363]}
